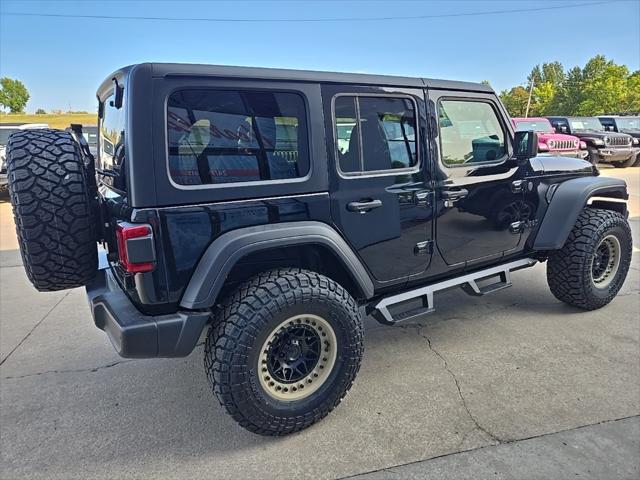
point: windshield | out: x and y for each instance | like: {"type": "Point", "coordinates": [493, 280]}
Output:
{"type": "Point", "coordinates": [628, 123]}
{"type": "Point", "coordinates": [542, 126]}
{"type": "Point", "coordinates": [4, 134]}
{"type": "Point", "coordinates": [586, 123]}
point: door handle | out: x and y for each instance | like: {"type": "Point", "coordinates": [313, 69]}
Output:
{"type": "Point", "coordinates": [455, 194]}
{"type": "Point", "coordinates": [364, 206]}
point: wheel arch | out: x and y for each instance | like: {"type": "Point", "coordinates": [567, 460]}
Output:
{"type": "Point", "coordinates": [228, 256]}
{"type": "Point", "coordinates": [568, 200]}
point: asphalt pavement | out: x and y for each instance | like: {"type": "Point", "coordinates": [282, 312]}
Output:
{"type": "Point", "coordinates": [511, 385]}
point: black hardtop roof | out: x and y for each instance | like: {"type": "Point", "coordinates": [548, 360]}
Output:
{"type": "Point", "coordinates": [185, 69]}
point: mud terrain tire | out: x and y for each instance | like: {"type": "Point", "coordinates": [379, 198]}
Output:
{"type": "Point", "coordinates": [53, 202]}
{"type": "Point", "coordinates": [237, 350]}
{"type": "Point", "coordinates": [590, 269]}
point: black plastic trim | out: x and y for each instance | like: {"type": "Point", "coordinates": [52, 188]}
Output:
{"type": "Point", "coordinates": [568, 200]}
{"type": "Point", "coordinates": [135, 335]}
{"type": "Point", "coordinates": [220, 257]}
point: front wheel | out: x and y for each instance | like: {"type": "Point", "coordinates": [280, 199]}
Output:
{"type": "Point", "coordinates": [630, 162]}
{"type": "Point", "coordinates": [283, 350]}
{"type": "Point", "coordinates": [589, 270]}
{"type": "Point", "coordinates": [593, 157]}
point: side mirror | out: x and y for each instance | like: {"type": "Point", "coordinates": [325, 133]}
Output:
{"type": "Point", "coordinates": [525, 145]}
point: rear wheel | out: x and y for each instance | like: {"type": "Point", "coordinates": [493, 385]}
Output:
{"type": "Point", "coordinates": [53, 202]}
{"type": "Point", "coordinates": [284, 350]}
{"type": "Point", "coordinates": [590, 269]}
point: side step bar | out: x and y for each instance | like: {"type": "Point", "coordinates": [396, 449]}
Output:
{"type": "Point", "coordinates": [469, 283]}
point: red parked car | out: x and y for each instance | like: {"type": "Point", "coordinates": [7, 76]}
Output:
{"type": "Point", "coordinates": [550, 142]}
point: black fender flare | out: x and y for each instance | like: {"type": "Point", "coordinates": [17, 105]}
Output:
{"type": "Point", "coordinates": [569, 198]}
{"type": "Point", "coordinates": [224, 252]}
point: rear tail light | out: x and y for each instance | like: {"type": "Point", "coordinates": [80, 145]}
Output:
{"type": "Point", "coordinates": [135, 247]}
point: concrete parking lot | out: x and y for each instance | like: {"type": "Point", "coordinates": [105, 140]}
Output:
{"type": "Point", "coordinates": [525, 385]}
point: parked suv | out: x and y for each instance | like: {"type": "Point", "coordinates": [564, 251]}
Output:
{"type": "Point", "coordinates": [549, 141]}
{"type": "Point", "coordinates": [278, 207]}
{"type": "Point", "coordinates": [618, 149]}
{"type": "Point", "coordinates": [624, 124]}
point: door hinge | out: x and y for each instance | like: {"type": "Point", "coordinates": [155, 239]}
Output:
{"type": "Point", "coordinates": [423, 248]}
{"type": "Point", "coordinates": [422, 198]}
{"type": "Point", "coordinates": [519, 227]}
{"type": "Point", "coordinates": [516, 186]}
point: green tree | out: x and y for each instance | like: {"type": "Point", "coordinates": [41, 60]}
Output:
{"type": "Point", "coordinates": [550, 72]}
{"type": "Point", "coordinates": [13, 95]}
{"type": "Point", "coordinates": [515, 100]}
{"type": "Point", "coordinates": [548, 80]}
{"type": "Point", "coordinates": [545, 99]}
{"type": "Point", "coordinates": [40, 111]}
{"type": "Point", "coordinates": [571, 94]}
{"type": "Point", "coordinates": [601, 86]}
{"type": "Point", "coordinates": [632, 102]}
{"type": "Point", "coordinates": [605, 87]}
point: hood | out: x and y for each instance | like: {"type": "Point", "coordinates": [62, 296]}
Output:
{"type": "Point", "coordinates": [556, 136]}
{"type": "Point", "coordinates": [598, 134]}
{"type": "Point", "coordinates": [550, 165]}
{"type": "Point", "coordinates": [633, 133]}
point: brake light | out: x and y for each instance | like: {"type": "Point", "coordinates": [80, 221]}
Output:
{"type": "Point", "coordinates": [135, 247]}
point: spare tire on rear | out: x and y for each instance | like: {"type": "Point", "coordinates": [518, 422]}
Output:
{"type": "Point", "coordinates": [53, 202]}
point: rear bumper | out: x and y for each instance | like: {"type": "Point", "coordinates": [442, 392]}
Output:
{"type": "Point", "coordinates": [136, 335]}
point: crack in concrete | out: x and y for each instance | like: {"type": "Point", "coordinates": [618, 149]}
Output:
{"type": "Point", "coordinates": [80, 370]}
{"type": "Point", "coordinates": [418, 327]}
{"type": "Point", "coordinates": [71, 370]}
{"type": "Point", "coordinates": [391, 469]}
{"type": "Point", "coordinates": [34, 327]}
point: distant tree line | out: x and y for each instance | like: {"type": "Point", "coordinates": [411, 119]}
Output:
{"type": "Point", "coordinates": [600, 87]}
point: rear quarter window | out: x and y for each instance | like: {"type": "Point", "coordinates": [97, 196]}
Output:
{"type": "Point", "coordinates": [236, 136]}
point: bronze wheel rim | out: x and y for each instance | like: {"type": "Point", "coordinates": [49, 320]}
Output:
{"type": "Point", "coordinates": [297, 357]}
{"type": "Point", "coordinates": [606, 261]}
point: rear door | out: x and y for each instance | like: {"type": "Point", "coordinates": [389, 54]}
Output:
{"type": "Point", "coordinates": [479, 184]}
{"type": "Point", "coordinates": [381, 197]}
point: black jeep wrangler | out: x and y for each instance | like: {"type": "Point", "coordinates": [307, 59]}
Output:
{"type": "Point", "coordinates": [278, 208]}
{"type": "Point", "coordinates": [624, 124]}
{"type": "Point", "coordinates": [618, 149]}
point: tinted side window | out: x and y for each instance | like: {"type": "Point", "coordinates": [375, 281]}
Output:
{"type": "Point", "coordinates": [375, 133]}
{"type": "Point", "coordinates": [225, 136]}
{"type": "Point", "coordinates": [470, 132]}
{"type": "Point", "coordinates": [112, 128]}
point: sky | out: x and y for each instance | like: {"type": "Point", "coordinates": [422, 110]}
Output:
{"type": "Point", "coordinates": [63, 60]}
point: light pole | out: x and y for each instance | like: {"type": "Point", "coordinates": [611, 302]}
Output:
{"type": "Point", "coordinates": [526, 113]}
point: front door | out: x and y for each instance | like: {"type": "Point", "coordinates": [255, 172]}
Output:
{"type": "Point", "coordinates": [381, 200]}
{"type": "Point", "coordinates": [478, 184]}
